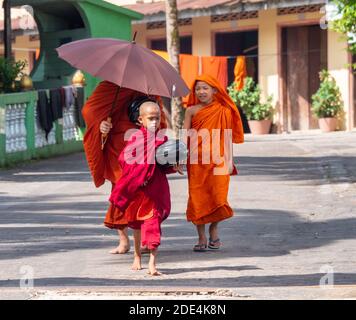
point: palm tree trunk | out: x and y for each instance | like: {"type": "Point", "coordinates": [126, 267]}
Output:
{"type": "Point", "coordinates": [177, 113]}
{"type": "Point", "coordinates": [7, 28]}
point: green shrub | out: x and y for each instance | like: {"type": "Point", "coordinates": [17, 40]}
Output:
{"type": "Point", "coordinates": [249, 99]}
{"type": "Point", "coordinates": [326, 102]}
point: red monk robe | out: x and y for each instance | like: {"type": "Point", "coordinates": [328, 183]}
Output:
{"type": "Point", "coordinates": [142, 193]}
{"type": "Point", "coordinates": [208, 192]}
{"type": "Point", "coordinates": [103, 164]}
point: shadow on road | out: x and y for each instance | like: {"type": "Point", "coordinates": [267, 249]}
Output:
{"type": "Point", "coordinates": [318, 169]}
{"type": "Point", "coordinates": [60, 226]}
{"type": "Point", "coordinates": [41, 225]}
{"type": "Point", "coordinates": [65, 168]}
{"type": "Point", "coordinates": [233, 282]}
{"type": "Point", "coordinates": [74, 168]}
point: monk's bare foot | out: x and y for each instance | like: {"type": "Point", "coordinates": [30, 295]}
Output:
{"type": "Point", "coordinates": [136, 264]}
{"type": "Point", "coordinates": [152, 271]}
{"type": "Point", "coordinates": [121, 249]}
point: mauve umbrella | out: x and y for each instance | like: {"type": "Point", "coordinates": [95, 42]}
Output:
{"type": "Point", "coordinates": [126, 64]}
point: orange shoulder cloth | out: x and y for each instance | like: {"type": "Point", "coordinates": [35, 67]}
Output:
{"type": "Point", "coordinates": [103, 164]}
{"type": "Point", "coordinates": [221, 103]}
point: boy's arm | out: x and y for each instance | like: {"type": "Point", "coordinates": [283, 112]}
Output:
{"type": "Point", "coordinates": [188, 118]}
{"type": "Point", "coordinates": [229, 159]}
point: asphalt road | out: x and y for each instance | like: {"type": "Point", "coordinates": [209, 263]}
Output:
{"type": "Point", "coordinates": [294, 228]}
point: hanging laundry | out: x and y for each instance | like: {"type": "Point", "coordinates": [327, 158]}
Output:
{"type": "Point", "coordinates": [62, 96]}
{"type": "Point", "coordinates": [217, 68]}
{"type": "Point", "coordinates": [44, 112]}
{"type": "Point", "coordinates": [240, 72]}
{"type": "Point", "coordinates": [79, 103]}
{"type": "Point", "coordinates": [189, 68]}
{"type": "Point", "coordinates": [56, 103]}
{"type": "Point", "coordinates": [68, 96]}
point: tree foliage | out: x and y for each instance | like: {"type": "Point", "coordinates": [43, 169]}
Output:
{"type": "Point", "coordinates": [10, 70]}
{"type": "Point", "coordinates": [346, 22]}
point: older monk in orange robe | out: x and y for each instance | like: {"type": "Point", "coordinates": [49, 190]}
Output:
{"type": "Point", "coordinates": [209, 108]}
{"type": "Point", "coordinates": [103, 164]}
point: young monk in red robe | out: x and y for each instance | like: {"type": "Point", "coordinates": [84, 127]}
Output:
{"type": "Point", "coordinates": [142, 193]}
{"type": "Point", "coordinates": [103, 164]}
{"type": "Point", "coordinates": [209, 108]}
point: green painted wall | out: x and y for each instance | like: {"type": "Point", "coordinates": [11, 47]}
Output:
{"type": "Point", "coordinates": [59, 22]}
{"type": "Point", "coordinates": [59, 148]}
{"type": "Point", "coordinates": [64, 21]}
{"type": "Point", "coordinates": [104, 22]}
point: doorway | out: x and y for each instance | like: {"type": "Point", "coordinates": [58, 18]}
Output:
{"type": "Point", "coordinates": [304, 54]}
{"type": "Point", "coordinates": [239, 43]}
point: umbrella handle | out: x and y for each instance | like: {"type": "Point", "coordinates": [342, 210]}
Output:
{"type": "Point", "coordinates": [104, 136]}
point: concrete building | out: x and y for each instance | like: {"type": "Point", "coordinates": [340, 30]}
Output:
{"type": "Point", "coordinates": [286, 42]}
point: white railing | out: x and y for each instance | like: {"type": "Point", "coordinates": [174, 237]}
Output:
{"type": "Point", "coordinates": [21, 136]}
{"type": "Point", "coordinates": [15, 128]}
{"type": "Point", "coordinates": [40, 134]}
{"type": "Point", "coordinates": [70, 129]}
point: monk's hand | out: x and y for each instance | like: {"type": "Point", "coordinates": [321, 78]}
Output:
{"type": "Point", "coordinates": [178, 168]}
{"type": "Point", "coordinates": [105, 127]}
{"type": "Point", "coordinates": [231, 168]}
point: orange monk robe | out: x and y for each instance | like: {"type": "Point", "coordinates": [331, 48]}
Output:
{"type": "Point", "coordinates": [189, 70]}
{"type": "Point", "coordinates": [217, 68]}
{"type": "Point", "coordinates": [208, 192]}
{"type": "Point", "coordinates": [103, 164]}
{"type": "Point", "coordinates": [240, 72]}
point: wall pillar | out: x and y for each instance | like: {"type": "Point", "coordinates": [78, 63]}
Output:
{"type": "Point", "coordinates": [338, 60]}
{"type": "Point", "coordinates": [201, 38]}
{"type": "Point", "coordinates": [141, 37]}
{"type": "Point", "coordinates": [268, 60]}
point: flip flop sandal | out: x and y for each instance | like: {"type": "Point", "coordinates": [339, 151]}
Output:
{"type": "Point", "coordinates": [213, 244]}
{"type": "Point", "coordinates": [200, 248]}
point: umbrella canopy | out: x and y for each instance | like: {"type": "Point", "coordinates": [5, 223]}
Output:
{"type": "Point", "coordinates": [126, 64]}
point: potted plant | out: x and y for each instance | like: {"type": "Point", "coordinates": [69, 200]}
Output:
{"type": "Point", "coordinates": [11, 70]}
{"type": "Point", "coordinates": [258, 114]}
{"type": "Point", "coordinates": [326, 102]}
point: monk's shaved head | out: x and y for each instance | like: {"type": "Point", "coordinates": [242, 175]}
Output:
{"type": "Point", "coordinates": [150, 115]}
{"type": "Point", "coordinates": [148, 107]}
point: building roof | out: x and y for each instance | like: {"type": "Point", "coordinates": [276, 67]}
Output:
{"type": "Point", "coordinates": [157, 7]}
{"type": "Point", "coordinates": [22, 19]}
{"type": "Point", "coordinates": [190, 8]}
{"type": "Point", "coordinates": [155, 11]}
{"type": "Point", "coordinates": [99, 3]}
